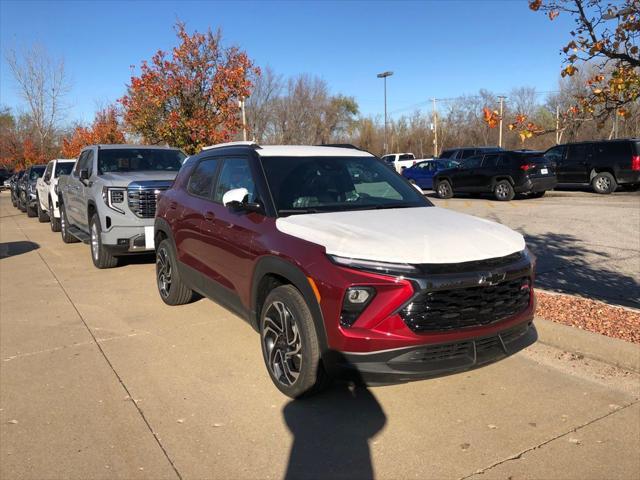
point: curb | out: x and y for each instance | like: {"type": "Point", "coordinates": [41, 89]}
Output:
{"type": "Point", "coordinates": [612, 351]}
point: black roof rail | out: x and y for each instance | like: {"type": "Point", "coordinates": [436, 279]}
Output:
{"type": "Point", "coordinates": [340, 145]}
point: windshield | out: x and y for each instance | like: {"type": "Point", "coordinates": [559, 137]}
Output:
{"type": "Point", "coordinates": [329, 184]}
{"type": "Point", "coordinates": [36, 172]}
{"type": "Point", "coordinates": [134, 159]}
{"type": "Point", "coordinates": [64, 168]}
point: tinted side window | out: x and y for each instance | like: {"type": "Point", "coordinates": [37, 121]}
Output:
{"type": "Point", "coordinates": [88, 162]}
{"type": "Point", "coordinates": [468, 153]}
{"type": "Point", "coordinates": [614, 151]}
{"type": "Point", "coordinates": [202, 179]}
{"type": "Point", "coordinates": [555, 154]}
{"type": "Point", "coordinates": [235, 173]}
{"type": "Point", "coordinates": [490, 160]}
{"type": "Point", "coordinates": [472, 162]}
{"type": "Point", "coordinates": [406, 157]}
{"type": "Point", "coordinates": [577, 152]}
{"type": "Point", "coordinates": [80, 163]}
{"type": "Point", "coordinates": [47, 172]}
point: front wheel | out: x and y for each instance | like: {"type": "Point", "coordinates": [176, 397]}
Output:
{"type": "Point", "coordinates": [54, 222]}
{"type": "Point", "coordinates": [503, 191]}
{"type": "Point", "coordinates": [101, 257]}
{"type": "Point", "coordinates": [604, 183]}
{"type": "Point", "coordinates": [444, 190]}
{"type": "Point", "coordinates": [290, 345]}
{"type": "Point", "coordinates": [31, 211]}
{"type": "Point", "coordinates": [64, 226]}
{"type": "Point", "coordinates": [171, 287]}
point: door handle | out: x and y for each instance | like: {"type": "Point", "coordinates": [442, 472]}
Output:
{"type": "Point", "coordinates": [209, 216]}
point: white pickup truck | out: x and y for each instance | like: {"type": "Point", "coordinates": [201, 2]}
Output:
{"type": "Point", "coordinates": [47, 201]}
{"type": "Point", "coordinates": [400, 161]}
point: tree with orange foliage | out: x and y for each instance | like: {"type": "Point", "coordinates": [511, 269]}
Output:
{"type": "Point", "coordinates": [105, 129]}
{"type": "Point", "coordinates": [189, 98]}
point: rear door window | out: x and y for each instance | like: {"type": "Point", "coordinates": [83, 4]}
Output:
{"type": "Point", "coordinates": [490, 160]}
{"type": "Point", "coordinates": [467, 153]}
{"type": "Point", "coordinates": [555, 154]}
{"type": "Point", "coordinates": [614, 151]}
{"type": "Point", "coordinates": [577, 153]}
{"type": "Point", "coordinates": [472, 162]}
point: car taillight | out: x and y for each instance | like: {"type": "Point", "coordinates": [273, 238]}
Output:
{"type": "Point", "coordinates": [527, 166]}
{"type": "Point", "coordinates": [635, 162]}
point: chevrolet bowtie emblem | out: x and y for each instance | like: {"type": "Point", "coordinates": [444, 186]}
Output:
{"type": "Point", "coordinates": [491, 278]}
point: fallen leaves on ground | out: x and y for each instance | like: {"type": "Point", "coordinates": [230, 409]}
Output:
{"type": "Point", "coordinates": [590, 315]}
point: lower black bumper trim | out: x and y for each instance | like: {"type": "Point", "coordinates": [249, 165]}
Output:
{"type": "Point", "coordinates": [427, 361]}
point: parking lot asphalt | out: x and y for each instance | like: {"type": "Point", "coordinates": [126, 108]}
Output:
{"type": "Point", "coordinates": [586, 244]}
{"type": "Point", "coordinates": [99, 379]}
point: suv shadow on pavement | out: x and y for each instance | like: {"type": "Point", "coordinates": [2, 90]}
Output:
{"type": "Point", "coordinates": [567, 265]}
{"type": "Point", "coordinates": [332, 431]}
{"type": "Point", "coordinates": [11, 249]}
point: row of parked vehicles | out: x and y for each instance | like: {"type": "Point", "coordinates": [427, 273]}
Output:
{"type": "Point", "coordinates": [340, 263]}
{"type": "Point", "coordinates": [605, 165]}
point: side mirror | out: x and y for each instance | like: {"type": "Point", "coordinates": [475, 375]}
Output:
{"type": "Point", "coordinates": [236, 199]}
{"type": "Point", "coordinates": [84, 175]}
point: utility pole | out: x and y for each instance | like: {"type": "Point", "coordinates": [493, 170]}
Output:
{"type": "Point", "coordinates": [501, 97]}
{"type": "Point", "coordinates": [557, 124]}
{"type": "Point", "coordinates": [435, 130]}
{"type": "Point", "coordinates": [384, 76]}
{"type": "Point", "coordinates": [244, 119]}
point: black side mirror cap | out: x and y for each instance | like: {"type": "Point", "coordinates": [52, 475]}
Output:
{"type": "Point", "coordinates": [84, 174]}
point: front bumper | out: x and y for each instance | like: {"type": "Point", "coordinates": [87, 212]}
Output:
{"type": "Point", "coordinates": [434, 360]}
{"type": "Point", "coordinates": [538, 184]}
{"type": "Point", "coordinates": [129, 239]}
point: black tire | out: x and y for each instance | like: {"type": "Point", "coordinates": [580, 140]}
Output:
{"type": "Point", "coordinates": [503, 191]}
{"type": "Point", "coordinates": [42, 215]}
{"type": "Point", "coordinates": [22, 203]}
{"type": "Point", "coordinates": [171, 287]}
{"type": "Point", "coordinates": [31, 211]}
{"type": "Point", "coordinates": [537, 194]}
{"type": "Point", "coordinates": [443, 189]}
{"type": "Point", "coordinates": [54, 222]}
{"type": "Point", "coordinates": [101, 257]}
{"type": "Point", "coordinates": [301, 374]}
{"type": "Point", "coordinates": [64, 222]}
{"type": "Point", "coordinates": [13, 201]}
{"type": "Point", "coordinates": [604, 183]}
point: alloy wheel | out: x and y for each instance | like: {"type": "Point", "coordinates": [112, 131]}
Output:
{"type": "Point", "coordinates": [163, 272]}
{"type": "Point", "coordinates": [443, 189]}
{"type": "Point", "coordinates": [603, 184]}
{"type": "Point", "coordinates": [95, 246]}
{"type": "Point", "coordinates": [502, 191]}
{"type": "Point", "coordinates": [282, 343]}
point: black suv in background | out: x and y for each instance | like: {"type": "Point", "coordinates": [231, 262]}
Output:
{"type": "Point", "coordinates": [503, 173]}
{"type": "Point", "coordinates": [604, 164]}
{"type": "Point", "coordinates": [15, 192]}
{"type": "Point", "coordinates": [27, 189]}
{"type": "Point", "coordinates": [466, 152]}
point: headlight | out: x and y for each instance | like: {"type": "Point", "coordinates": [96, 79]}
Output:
{"type": "Point", "coordinates": [372, 265]}
{"type": "Point", "coordinates": [113, 197]}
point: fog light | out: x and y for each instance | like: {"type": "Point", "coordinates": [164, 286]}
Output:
{"type": "Point", "coordinates": [355, 301]}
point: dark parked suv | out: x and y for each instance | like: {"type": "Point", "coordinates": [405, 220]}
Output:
{"type": "Point", "coordinates": [340, 263]}
{"type": "Point", "coordinates": [27, 200]}
{"type": "Point", "coordinates": [604, 164]}
{"type": "Point", "coordinates": [502, 173]}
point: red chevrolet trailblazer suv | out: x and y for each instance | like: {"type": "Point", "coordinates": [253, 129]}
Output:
{"type": "Point", "coordinates": [340, 263]}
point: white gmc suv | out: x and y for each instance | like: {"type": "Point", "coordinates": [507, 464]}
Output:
{"type": "Point", "coordinates": [47, 201]}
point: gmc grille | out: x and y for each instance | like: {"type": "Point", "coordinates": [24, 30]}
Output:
{"type": "Point", "coordinates": [142, 202]}
{"type": "Point", "coordinates": [466, 307]}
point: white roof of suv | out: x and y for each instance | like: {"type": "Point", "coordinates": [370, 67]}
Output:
{"type": "Point", "coordinates": [297, 150]}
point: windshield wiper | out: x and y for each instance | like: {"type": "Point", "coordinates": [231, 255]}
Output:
{"type": "Point", "coordinates": [393, 205]}
{"type": "Point", "coordinates": [298, 210]}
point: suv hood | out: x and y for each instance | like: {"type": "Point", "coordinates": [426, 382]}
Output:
{"type": "Point", "coordinates": [122, 179]}
{"type": "Point", "coordinates": [405, 235]}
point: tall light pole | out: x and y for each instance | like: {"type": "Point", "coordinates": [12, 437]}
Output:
{"type": "Point", "coordinates": [384, 75]}
{"type": "Point", "coordinates": [501, 97]}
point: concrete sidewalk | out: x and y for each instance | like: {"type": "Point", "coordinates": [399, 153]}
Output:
{"type": "Point", "coordinates": [99, 379]}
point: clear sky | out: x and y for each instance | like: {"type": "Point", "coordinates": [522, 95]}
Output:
{"type": "Point", "coordinates": [435, 48]}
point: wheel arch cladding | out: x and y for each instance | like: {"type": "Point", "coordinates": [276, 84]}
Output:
{"type": "Point", "coordinates": [91, 210]}
{"type": "Point", "coordinates": [162, 231]}
{"type": "Point", "coordinates": [502, 177]}
{"type": "Point", "coordinates": [274, 271]}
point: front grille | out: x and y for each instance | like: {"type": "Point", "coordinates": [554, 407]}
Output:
{"type": "Point", "coordinates": [142, 202]}
{"type": "Point", "coordinates": [466, 307]}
